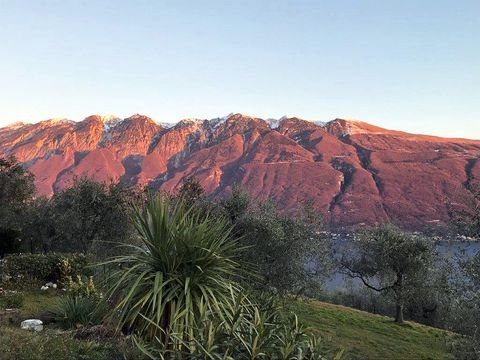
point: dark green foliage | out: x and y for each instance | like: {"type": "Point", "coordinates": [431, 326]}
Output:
{"type": "Point", "coordinates": [465, 314]}
{"type": "Point", "coordinates": [191, 191]}
{"type": "Point", "coordinates": [87, 217]}
{"type": "Point", "coordinates": [44, 267]}
{"type": "Point", "coordinates": [38, 226]}
{"type": "Point", "coordinates": [10, 241]}
{"type": "Point", "coordinates": [390, 261]}
{"type": "Point", "coordinates": [92, 217]}
{"type": "Point", "coordinates": [433, 296]}
{"type": "Point", "coordinates": [16, 190]}
{"type": "Point", "coordinates": [237, 204]}
{"type": "Point", "coordinates": [75, 310]}
{"type": "Point", "coordinates": [290, 253]}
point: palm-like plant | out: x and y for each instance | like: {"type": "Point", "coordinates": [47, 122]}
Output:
{"type": "Point", "coordinates": [184, 269]}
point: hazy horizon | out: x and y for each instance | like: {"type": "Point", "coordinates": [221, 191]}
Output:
{"type": "Point", "coordinates": [400, 65]}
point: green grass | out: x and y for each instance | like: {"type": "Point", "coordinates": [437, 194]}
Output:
{"type": "Point", "coordinates": [17, 344]}
{"type": "Point", "coordinates": [360, 335]}
{"type": "Point", "coordinates": [353, 333]}
{"type": "Point", "coordinates": [38, 301]}
{"type": "Point", "coordinates": [53, 343]}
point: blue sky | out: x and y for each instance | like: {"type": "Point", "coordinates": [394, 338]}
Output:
{"type": "Point", "coordinates": [410, 65]}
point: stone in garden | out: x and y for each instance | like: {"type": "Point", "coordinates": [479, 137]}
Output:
{"type": "Point", "coordinates": [49, 284]}
{"type": "Point", "coordinates": [54, 286]}
{"type": "Point", "coordinates": [32, 324]}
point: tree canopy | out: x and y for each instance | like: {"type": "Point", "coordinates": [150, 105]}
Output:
{"type": "Point", "coordinates": [91, 214]}
{"type": "Point", "coordinates": [388, 260]}
{"type": "Point", "coordinates": [16, 190]}
{"type": "Point", "coordinates": [290, 252]}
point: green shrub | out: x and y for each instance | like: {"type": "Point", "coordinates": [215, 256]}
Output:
{"type": "Point", "coordinates": [50, 267]}
{"type": "Point", "coordinates": [11, 300]}
{"type": "Point", "coordinates": [22, 284]}
{"type": "Point", "coordinates": [75, 310]}
{"type": "Point", "coordinates": [83, 304]}
{"type": "Point", "coordinates": [246, 331]}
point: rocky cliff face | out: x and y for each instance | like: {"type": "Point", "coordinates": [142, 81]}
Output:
{"type": "Point", "coordinates": [354, 172]}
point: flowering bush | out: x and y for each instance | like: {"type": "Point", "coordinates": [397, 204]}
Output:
{"type": "Point", "coordinates": [81, 286]}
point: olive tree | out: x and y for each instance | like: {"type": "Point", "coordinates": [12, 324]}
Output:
{"type": "Point", "coordinates": [390, 261]}
{"type": "Point", "coordinates": [16, 190]}
{"type": "Point", "coordinates": [38, 225]}
{"type": "Point", "coordinates": [290, 252]}
{"type": "Point", "coordinates": [472, 269]}
{"type": "Point", "coordinates": [91, 215]}
{"type": "Point", "coordinates": [464, 317]}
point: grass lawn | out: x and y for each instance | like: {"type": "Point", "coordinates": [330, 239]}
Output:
{"type": "Point", "coordinates": [353, 334]}
{"type": "Point", "coordinates": [38, 301]}
{"type": "Point", "coordinates": [53, 343]}
{"type": "Point", "coordinates": [361, 335]}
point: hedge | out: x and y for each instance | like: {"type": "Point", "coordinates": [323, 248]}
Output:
{"type": "Point", "coordinates": [50, 267]}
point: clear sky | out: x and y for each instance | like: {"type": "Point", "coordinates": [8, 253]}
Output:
{"type": "Point", "coordinates": [412, 65]}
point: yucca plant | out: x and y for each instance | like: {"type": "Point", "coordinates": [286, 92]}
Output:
{"type": "Point", "coordinates": [184, 270]}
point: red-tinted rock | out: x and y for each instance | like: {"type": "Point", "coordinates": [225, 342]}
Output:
{"type": "Point", "coordinates": [354, 172]}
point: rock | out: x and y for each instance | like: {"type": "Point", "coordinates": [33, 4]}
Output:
{"type": "Point", "coordinates": [49, 284]}
{"type": "Point", "coordinates": [46, 317]}
{"type": "Point", "coordinates": [43, 288]}
{"type": "Point", "coordinates": [54, 286]}
{"type": "Point", "coordinates": [353, 172]}
{"type": "Point", "coordinates": [32, 324]}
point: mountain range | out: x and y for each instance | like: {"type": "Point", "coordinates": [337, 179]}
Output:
{"type": "Point", "coordinates": [353, 172]}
